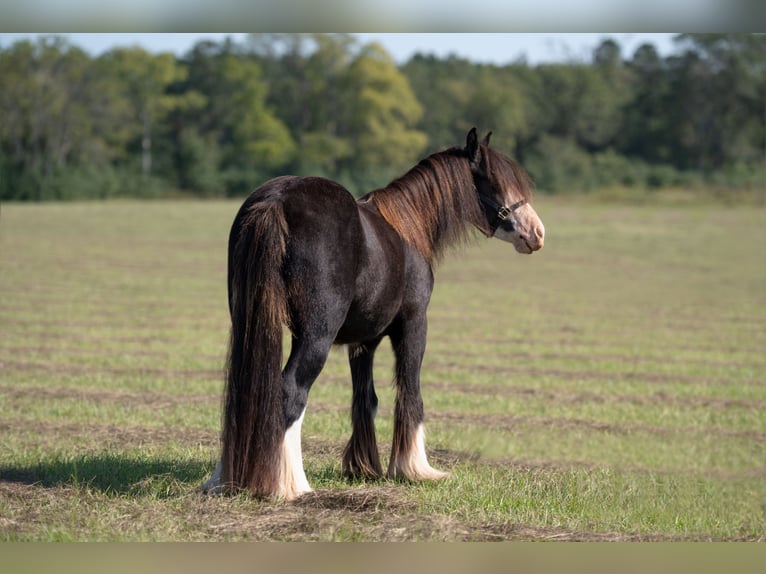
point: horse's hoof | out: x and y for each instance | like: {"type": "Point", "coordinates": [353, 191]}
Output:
{"type": "Point", "coordinates": [213, 484]}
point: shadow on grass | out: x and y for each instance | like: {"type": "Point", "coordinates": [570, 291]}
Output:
{"type": "Point", "coordinates": [113, 474]}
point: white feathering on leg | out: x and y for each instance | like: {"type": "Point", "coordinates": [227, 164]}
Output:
{"type": "Point", "coordinates": [414, 464]}
{"type": "Point", "coordinates": [292, 478]}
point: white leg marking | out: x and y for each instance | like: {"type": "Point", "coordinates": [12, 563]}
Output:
{"type": "Point", "coordinates": [213, 485]}
{"type": "Point", "coordinates": [292, 480]}
{"type": "Point", "coordinates": [414, 464]}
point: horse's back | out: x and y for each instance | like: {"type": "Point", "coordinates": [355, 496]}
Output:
{"type": "Point", "coordinates": [315, 208]}
{"type": "Point", "coordinates": [344, 267]}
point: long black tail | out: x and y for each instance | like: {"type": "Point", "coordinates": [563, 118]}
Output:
{"type": "Point", "coordinates": [253, 419]}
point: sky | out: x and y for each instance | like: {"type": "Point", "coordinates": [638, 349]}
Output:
{"type": "Point", "coordinates": [491, 48]}
{"type": "Point", "coordinates": [377, 16]}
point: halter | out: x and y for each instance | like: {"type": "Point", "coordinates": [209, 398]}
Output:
{"type": "Point", "coordinates": [499, 214]}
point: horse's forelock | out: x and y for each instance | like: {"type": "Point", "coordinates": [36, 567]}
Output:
{"type": "Point", "coordinates": [508, 176]}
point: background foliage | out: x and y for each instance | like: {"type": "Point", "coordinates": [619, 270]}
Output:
{"type": "Point", "coordinates": [226, 116]}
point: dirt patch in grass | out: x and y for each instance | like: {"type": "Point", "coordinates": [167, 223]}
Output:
{"type": "Point", "coordinates": [59, 369]}
{"type": "Point", "coordinates": [562, 396]}
{"type": "Point", "coordinates": [511, 422]}
{"type": "Point", "coordinates": [522, 532]}
{"type": "Point", "coordinates": [137, 399]}
{"type": "Point", "coordinates": [448, 459]}
{"type": "Point", "coordinates": [136, 318]}
{"type": "Point", "coordinates": [94, 436]}
{"type": "Point", "coordinates": [597, 356]}
{"type": "Point", "coordinates": [22, 350]}
{"type": "Point", "coordinates": [381, 513]}
{"type": "Point", "coordinates": [88, 337]}
{"type": "Point", "coordinates": [509, 342]}
{"type": "Point", "coordinates": [158, 400]}
{"type": "Point", "coordinates": [568, 375]}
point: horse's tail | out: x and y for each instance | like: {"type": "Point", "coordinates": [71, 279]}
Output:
{"type": "Point", "coordinates": [253, 417]}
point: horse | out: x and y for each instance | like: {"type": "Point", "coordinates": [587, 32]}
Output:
{"type": "Point", "coordinates": [305, 254]}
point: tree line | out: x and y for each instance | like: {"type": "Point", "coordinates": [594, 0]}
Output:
{"type": "Point", "coordinates": [227, 115]}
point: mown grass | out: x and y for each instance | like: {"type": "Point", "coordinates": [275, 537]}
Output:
{"type": "Point", "coordinates": [609, 387]}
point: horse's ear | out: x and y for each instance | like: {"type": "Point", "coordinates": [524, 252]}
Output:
{"type": "Point", "coordinates": [485, 141]}
{"type": "Point", "coordinates": [472, 146]}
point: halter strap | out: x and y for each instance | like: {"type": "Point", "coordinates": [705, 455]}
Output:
{"type": "Point", "coordinates": [499, 213]}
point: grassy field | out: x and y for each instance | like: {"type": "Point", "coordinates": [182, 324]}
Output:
{"type": "Point", "coordinates": [610, 387]}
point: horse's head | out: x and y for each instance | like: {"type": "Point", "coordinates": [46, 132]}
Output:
{"type": "Point", "coordinates": [504, 189]}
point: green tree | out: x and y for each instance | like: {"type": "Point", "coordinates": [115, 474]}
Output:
{"type": "Point", "coordinates": [497, 104]}
{"type": "Point", "coordinates": [729, 70]}
{"type": "Point", "coordinates": [443, 87]}
{"type": "Point", "coordinates": [383, 114]}
{"type": "Point", "coordinates": [197, 162]}
{"type": "Point", "coordinates": [253, 142]}
{"type": "Point", "coordinates": [144, 79]}
{"type": "Point", "coordinates": [646, 117]}
{"type": "Point", "coordinates": [53, 113]}
{"type": "Point", "coordinates": [226, 116]}
{"type": "Point", "coordinates": [306, 76]}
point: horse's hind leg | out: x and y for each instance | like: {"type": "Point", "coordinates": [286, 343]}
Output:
{"type": "Point", "coordinates": [307, 357]}
{"type": "Point", "coordinates": [408, 452]}
{"type": "Point", "coordinates": [360, 457]}
{"type": "Point", "coordinates": [213, 484]}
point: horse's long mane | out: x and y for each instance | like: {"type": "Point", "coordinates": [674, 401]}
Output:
{"type": "Point", "coordinates": [434, 205]}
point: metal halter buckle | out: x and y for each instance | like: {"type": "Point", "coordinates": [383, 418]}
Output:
{"type": "Point", "coordinates": [503, 213]}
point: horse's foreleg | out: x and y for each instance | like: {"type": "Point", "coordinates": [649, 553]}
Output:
{"type": "Point", "coordinates": [360, 457]}
{"type": "Point", "coordinates": [408, 452]}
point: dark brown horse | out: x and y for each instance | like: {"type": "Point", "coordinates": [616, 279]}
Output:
{"type": "Point", "coordinates": [305, 254]}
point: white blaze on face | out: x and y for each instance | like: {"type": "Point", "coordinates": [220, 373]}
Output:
{"type": "Point", "coordinates": [529, 232]}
